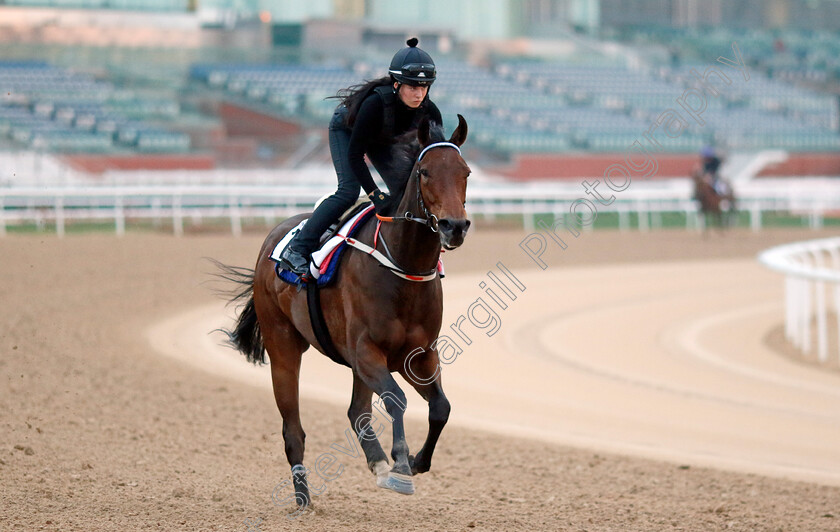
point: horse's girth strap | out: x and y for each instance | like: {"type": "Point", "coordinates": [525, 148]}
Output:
{"type": "Point", "coordinates": [319, 324]}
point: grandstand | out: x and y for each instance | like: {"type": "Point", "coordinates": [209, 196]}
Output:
{"type": "Point", "coordinates": [796, 55]}
{"type": "Point", "coordinates": [45, 108]}
{"type": "Point", "coordinates": [148, 81]}
{"type": "Point", "coordinates": [138, 93]}
{"type": "Point", "coordinates": [127, 5]}
{"type": "Point", "coordinates": [514, 106]}
{"type": "Point", "coordinates": [552, 106]}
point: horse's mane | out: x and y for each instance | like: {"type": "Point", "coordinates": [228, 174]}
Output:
{"type": "Point", "coordinates": [404, 152]}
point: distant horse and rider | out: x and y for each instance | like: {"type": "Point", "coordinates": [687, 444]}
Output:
{"type": "Point", "coordinates": [381, 310]}
{"type": "Point", "coordinates": [714, 194]}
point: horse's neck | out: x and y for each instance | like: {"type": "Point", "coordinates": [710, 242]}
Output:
{"type": "Point", "coordinates": [414, 245]}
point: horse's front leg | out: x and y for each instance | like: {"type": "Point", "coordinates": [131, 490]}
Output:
{"type": "Point", "coordinates": [423, 372]}
{"type": "Point", "coordinates": [719, 218]}
{"type": "Point", "coordinates": [371, 366]}
{"type": "Point", "coordinates": [361, 419]}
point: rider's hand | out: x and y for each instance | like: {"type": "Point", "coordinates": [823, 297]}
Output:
{"type": "Point", "coordinates": [380, 200]}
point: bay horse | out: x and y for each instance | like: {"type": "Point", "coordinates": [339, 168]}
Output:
{"type": "Point", "coordinates": [720, 206]}
{"type": "Point", "coordinates": [376, 319]}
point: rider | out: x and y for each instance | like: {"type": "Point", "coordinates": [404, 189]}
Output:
{"type": "Point", "coordinates": [366, 122]}
{"type": "Point", "coordinates": [710, 164]}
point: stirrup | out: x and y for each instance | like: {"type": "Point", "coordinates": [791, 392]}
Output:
{"type": "Point", "coordinates": [289, 267]}
{"type": "Point", "coordinates": [284, 261]}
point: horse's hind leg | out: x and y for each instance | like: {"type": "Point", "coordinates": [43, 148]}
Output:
{"type": "Point", "coordinates": [372, 368]}
{"type": "Point", "coordinates": [705, 223]}
{"type": "Point", "coordinates": [423, 372]}
{"type": "Point", "coordinates": [719, 218]}
{"type": "Point", "coordinates": [731, 213]}
{"type": "Point", "coordinates": [360, 419]}
{"type": "Point", "coordinates": [285, 346]}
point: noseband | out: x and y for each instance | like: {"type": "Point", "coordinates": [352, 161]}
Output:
{"type": "Point", "coordinates": [430, 220]}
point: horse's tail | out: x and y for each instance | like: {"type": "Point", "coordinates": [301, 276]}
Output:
{"type": "Point", "coordinates": [245, 335]}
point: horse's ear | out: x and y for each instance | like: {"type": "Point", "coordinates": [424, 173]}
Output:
{"type": "Point", "coordinates": [423, 132]}
{"type": "Point", "coordinates": [460, 134]}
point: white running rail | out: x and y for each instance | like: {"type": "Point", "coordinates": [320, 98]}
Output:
{"type": "Point", "coordinates": [811, 269]}
{"type": "Point", "coordinates": [812, 199]}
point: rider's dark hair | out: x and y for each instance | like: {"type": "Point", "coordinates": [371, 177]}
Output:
{"type": "Point", "coordinates": [353, 96]}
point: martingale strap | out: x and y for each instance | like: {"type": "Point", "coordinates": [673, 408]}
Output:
{"type": "Point", "coordinates": [396, 270]}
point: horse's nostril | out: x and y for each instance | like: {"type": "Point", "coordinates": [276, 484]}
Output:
{"type": "Point", "coordinates": [454, 228]}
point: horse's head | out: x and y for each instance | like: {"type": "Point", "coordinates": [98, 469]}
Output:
{"type": "Point", "coordinates": [441, 181]}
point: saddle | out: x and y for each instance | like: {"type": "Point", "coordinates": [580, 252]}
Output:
{"type": "Point", "coordinates": [330, 247]}
{"type": "Point", "coordinates": [332, 244]}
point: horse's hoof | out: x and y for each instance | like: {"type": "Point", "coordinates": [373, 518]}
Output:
{"type": "Point", "coordinates": [416, 468]}
{"type": "Point", "coordinates": [396, 482]}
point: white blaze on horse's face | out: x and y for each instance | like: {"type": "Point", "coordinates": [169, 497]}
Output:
{"type": "Point", "coordinates": [443, 181]}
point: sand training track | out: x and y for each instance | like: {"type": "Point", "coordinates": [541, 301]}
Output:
{"type": "Point", "coordinates": [629, 387]}
{"type": "Point", "coordinates": [631, 358]}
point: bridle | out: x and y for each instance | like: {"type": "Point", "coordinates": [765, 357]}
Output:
{"type": "Point", "coordinates": [429, 219]}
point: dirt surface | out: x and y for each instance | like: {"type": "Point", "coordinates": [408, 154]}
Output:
{"type": "Point", "coordinates": [775, 340]}
{"type": "Point", "coordinates": [101, 432]}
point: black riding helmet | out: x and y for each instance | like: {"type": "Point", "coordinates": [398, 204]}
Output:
{"type": "Point", "coordinates": [412, 66]}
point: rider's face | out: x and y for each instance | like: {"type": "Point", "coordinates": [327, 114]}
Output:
{"type": "Point", "coordinates": [410, 95]}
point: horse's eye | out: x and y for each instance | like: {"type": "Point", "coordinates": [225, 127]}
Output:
{"type": "Point", "coordinates": [423, 172]}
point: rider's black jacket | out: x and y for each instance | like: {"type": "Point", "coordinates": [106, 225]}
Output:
{"type": "Point", "coordinates": [381, 118]}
